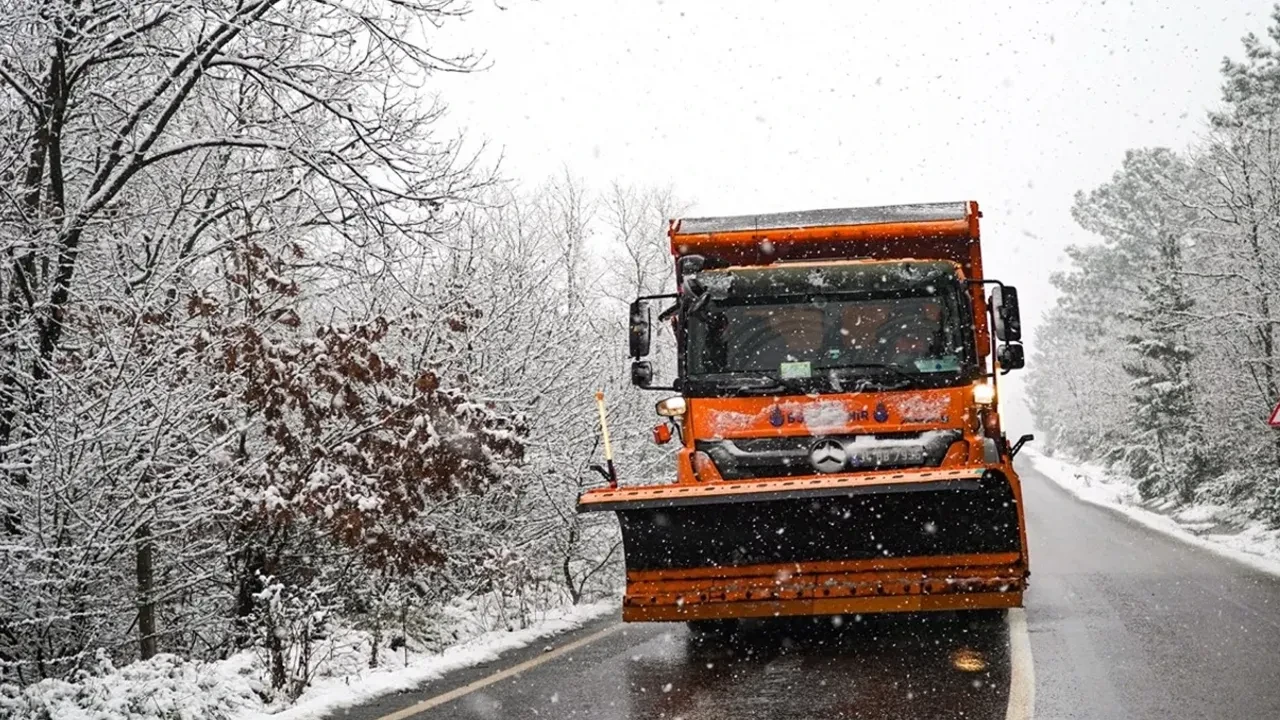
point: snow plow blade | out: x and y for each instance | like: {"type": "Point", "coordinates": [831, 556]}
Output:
{"type": "Point", "coordinates": [857, 543]}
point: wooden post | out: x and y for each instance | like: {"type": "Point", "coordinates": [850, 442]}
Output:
{"type": "Point", "coordinates": [608, 447]}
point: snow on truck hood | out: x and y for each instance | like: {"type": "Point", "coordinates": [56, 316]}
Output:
{"type": "Point", "coordinates": [887, 412]}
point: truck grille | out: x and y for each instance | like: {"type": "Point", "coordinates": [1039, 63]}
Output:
{"type": "Point", "coordinates": [750, 458]}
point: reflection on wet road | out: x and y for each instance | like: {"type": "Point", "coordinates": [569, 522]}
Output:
{"type": "Point", "coordinates": [881, 667]}
{"type": "Point", "coordinates": [887, 668]}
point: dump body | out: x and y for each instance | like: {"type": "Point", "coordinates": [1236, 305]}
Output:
{"type": "Point", "coordinates": [841, 449]}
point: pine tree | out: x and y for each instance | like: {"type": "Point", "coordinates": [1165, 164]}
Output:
{"type": "Point", "coordinates": [1145, 227]}
{"type": "Point", "coordinates": [1167, 453]}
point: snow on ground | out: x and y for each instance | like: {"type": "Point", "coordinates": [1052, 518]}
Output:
{"type": "Point", "coordinates": [169, 688]}
{"type": "Point", "coordinates": [363, 684]}
{"type": "Point", "coordinates": [1086, 481]}
{"type": "Point", "coordinates": [1217, 528]}
{"type": "Point", "coordinates": [164, 687]}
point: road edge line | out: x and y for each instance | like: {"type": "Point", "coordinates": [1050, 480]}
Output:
{"type": "Point", "coordinates": [456, 693]}
{"type": "Point", "coordinates": [1022, 674]}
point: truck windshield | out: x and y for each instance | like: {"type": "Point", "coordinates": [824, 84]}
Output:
{"type": "Point", "coordinates": [892, 335]}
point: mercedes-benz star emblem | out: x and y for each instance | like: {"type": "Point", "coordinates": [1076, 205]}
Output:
{"type": "Point", "coordinates": [828, 456]}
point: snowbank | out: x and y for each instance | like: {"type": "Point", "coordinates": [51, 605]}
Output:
{"type": "Point", "coordinates": [168, 688]}
{"type": "Point", "coordinates": [1245, 540]}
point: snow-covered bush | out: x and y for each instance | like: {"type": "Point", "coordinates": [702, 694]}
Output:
{"type": "Point", "coordinates": [166, 687]}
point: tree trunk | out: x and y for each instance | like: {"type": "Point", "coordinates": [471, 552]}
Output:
{"type": "Point", "coordinates": [574, 593]}
{"type": "Point", "coordinates": [146, 602]}
{"type": "Point", "coordinates": [275, 649]}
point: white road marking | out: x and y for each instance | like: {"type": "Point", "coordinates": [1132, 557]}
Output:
{"type": "Point", "coordinates": [502, 675]}
{"type": "Point", "coordinates": [1022, 674]}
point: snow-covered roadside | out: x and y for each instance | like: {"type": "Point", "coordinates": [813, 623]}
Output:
{"type": "Point", "coordinates": [363, 684]}
{"type": "Point", "coordinates": [1247, 541]}
{"type": "Point", "coordinates": [166, 687]}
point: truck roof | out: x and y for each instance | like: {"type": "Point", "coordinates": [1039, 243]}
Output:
{"type": "Point", "coordinates": [927, 230]}
{"type": "Point", "coordinates": [832, 217]}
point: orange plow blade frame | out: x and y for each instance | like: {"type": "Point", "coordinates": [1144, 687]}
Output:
{"type": "Point", "coordinates": [974, 582]}
{"type": "Point", "coordinates": [992, 577]}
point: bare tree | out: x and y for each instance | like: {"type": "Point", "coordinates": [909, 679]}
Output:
{"type": "Point", "coordinates": [163, 163]}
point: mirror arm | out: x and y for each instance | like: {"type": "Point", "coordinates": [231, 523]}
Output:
{"type": "Point", "coordinates": [985, 282]}
{"type": "Point", "coordinates": [1013, 452]}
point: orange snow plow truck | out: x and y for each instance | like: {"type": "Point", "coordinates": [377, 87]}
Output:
{"type": "Point", "coordinates": [840, 449]}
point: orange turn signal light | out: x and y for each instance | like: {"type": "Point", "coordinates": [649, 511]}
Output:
{"type": "Point", "coordinates": [990, 422]}
{"type": "Point", "coordinates": [662, 434]}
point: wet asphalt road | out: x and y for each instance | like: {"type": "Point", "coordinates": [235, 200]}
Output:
{"type": "Point", "coordinates": [1128, 623]}
{"type": "Point", "coordinates": [1123, 623]}
{"type": "Point", "coordinates": [892, 668]}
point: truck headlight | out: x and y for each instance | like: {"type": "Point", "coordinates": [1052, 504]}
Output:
{"type": "Point", "coordinates": [672, 407]}
{"type": "Point", "coordinates": [984, 394]}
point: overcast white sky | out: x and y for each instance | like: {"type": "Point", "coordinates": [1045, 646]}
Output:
{"type": "Point", "coordinates": [749, 107]}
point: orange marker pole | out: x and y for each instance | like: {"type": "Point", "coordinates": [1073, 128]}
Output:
{"type": "Point", "coordinates": [608, 447]}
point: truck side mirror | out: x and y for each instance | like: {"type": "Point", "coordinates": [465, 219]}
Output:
{"type": "Point", "coordinates": [691, 264]}
{"type": "Point", "coordinates": [639, 332]}
{"type": "Point", "coordinates": [642, 373]}
{"type": "Point", "coordinates": [1004, 300]}
{"type": "Point", "coordinates": [1012, 357]}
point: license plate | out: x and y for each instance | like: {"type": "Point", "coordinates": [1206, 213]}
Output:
{"type": "Point", "coordinates": [875, 457]}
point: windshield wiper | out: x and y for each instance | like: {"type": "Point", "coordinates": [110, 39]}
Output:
{"type": "Point", "coordinates": [900, 370]}
{"type": "Point", "coordinates": [772, 384]}
{"type": "Point", "coordinates": [862, 381]}
{"type": "Point", "coordinates": [757, 384]}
